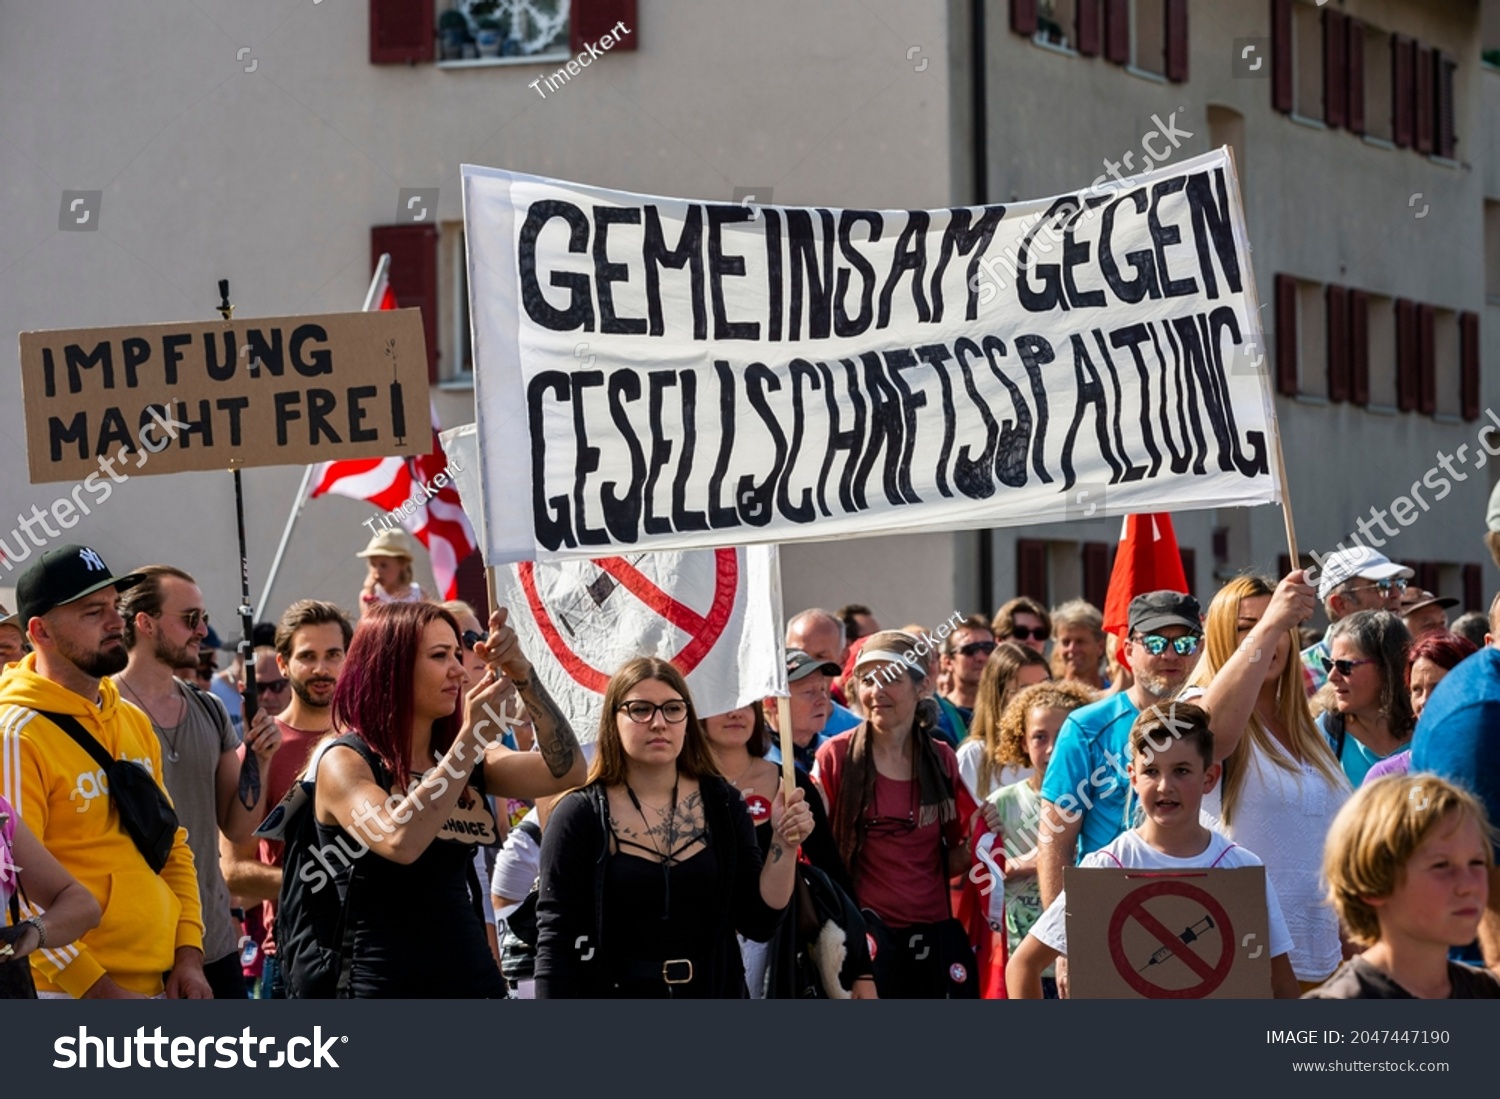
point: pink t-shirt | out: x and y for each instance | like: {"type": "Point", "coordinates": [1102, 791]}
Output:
{"type": "Point", "coordinates": [900, 875]}
{"type": "Point", "coordinates": [8, 873]}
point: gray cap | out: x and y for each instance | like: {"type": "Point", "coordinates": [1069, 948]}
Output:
{"type": "Point", "coordinates": [799, 665]}
{"type": "Point", "coordinates": [1156, 609]}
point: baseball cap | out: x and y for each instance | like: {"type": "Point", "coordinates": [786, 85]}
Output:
{"type": "Point", "coordinates": [1343, 565]}
{"type": "Point", "coordinates": [799, 665]}
{"type": "Point", "coordinates": [63, 575]}
{"type": "Point", "coordinates": [1415, 599]}
{"type": "Point", "coordinates": [1156, 609]}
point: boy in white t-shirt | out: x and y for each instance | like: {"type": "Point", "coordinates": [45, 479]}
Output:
{"type": "Point", "coordinates": [1171, 768]}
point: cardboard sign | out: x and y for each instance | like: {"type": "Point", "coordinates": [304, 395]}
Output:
{"type": "Point", "coordinates": [166, 398]}
{"type": "Point", "coordinates": [1140, 934]}
{"type": "Point", "coordinates": [693, 374]}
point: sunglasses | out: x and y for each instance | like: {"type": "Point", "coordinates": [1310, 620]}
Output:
{"type": "Point", "coordinates": [642, 712]}
{"type": "Point", "coordinates": [192, 618]}
{"type": "Point", "coordinates": [474, 637]}
{"type": "Point", "coordinates": [973, 648]}
{"type": "Point", "coordinates": [273, 686]}
{"type": "Point", "coordinates": [1345, 667]}
{"type": "Point", "coordinates": [1156, 644]}
{"type": "Point", "coordinates": [1030, 633]}
{"type": "Point", "coordinates": [1385, 587]}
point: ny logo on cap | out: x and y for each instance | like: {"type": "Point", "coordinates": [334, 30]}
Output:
{"type": "Point", "coordinates": [92, 560]}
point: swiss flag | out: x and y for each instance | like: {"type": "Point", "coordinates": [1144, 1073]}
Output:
{"type": "Point", "coordinates": [1147, 560]}
{"type": "Point", "coordinates": [438, 521]}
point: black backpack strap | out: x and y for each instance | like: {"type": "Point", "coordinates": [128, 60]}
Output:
{"type": "Point", "coordinates": [85, 740]}
{"type": "Point", "coordinates": [212, 705]}
{"type": "Point", "coordinates": [345, 933]}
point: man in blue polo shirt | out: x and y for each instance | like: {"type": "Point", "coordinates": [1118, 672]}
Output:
{"type": "Point", "coordinates": [1458, 738]}
{"type": "Point", "coordinates": [1085, 789]}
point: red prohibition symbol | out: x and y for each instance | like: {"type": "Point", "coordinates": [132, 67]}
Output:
{"type": "Point", "coordinates": [1133, 907]}
{"type": "Point", "coordinates": [703, 630]}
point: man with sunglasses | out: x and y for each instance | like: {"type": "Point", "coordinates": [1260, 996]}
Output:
{"type": "Point", "coordinates": [165, 627]}
{"type": "Point", "coordinates": [1352, 580]}
{"type": "Point", "coordinates": [964, 654]}
{"type": "Point", "coordinates": [1085, 789]}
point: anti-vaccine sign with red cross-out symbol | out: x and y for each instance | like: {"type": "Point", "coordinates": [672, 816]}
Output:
{"type": "Point", "coordinates": [714, 614]}
{"type": "Point", "coordinates": [1167, 936]}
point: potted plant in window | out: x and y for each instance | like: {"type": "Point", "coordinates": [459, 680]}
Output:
{"type": "Point", "coordinates": [489, 36]}
{"type": "Point", "coordinates": [453, 31]}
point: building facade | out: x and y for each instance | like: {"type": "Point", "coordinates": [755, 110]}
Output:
{"type": "Point", "coordinates": [283, 146]}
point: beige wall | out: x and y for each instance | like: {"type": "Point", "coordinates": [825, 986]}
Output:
{"type": "Point", "coordinates": [273, 179]}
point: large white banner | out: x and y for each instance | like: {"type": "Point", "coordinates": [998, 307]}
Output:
{"type": "Point", "coordinates": [715, 614]}
{"type": "Point", "coordinates": [661, 373]}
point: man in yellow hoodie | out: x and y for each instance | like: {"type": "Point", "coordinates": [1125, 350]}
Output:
{"type": "Point", "coordinates": [151, 937]}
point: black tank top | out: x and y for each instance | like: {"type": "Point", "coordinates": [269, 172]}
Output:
{"type": "Point", "coordinates": [416, 932]}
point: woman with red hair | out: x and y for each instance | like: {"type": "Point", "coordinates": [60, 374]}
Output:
{"type": "Point", "coordinates": [410, 790]}
{"type": "Point", "coordinates": [1427, 662]}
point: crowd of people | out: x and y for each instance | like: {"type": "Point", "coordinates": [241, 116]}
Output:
{"type": "Point", "coordinates": [402, 777]}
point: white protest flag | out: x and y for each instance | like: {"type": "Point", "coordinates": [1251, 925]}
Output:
{"type": "Point", "coordinates": [716, 614]}
{"type": "Point", "coordinates": [660, 373]}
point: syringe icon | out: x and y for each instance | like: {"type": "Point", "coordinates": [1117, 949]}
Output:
{"type": "Point", "coordinates": [1189, 934]}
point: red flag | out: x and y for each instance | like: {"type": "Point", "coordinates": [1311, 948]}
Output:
{"type": "Point", "coordinates": [434, 516]}
{"type": "Point", "coordinates": [1147, 560]}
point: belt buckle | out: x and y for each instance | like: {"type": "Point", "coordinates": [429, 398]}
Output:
{"type": "Point", "coordinates": [672, 971]}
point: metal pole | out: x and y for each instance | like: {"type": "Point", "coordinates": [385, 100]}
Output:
{"type": "Point", "coordinates": [249, 789]}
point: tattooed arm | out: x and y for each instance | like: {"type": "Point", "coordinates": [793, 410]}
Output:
{"type": "Point", "coordinates": [558, 764]}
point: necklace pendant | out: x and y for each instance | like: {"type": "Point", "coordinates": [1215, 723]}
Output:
{"type": "Point", "coordinates": [172, 755]}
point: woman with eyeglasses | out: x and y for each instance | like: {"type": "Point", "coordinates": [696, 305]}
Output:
{"type": "Point", "coordinates": [400, 796]}
{"type": "Point", "coordinates": [650, 869]}
{"type": "Point", "coordinates": [982, 757]}
{"type": "Point", "coordinates": [902, 815]}
{"type": "Point", "coordinates": [1281, 786]}
{"type": "Point", "coordinates": [1372, 717]}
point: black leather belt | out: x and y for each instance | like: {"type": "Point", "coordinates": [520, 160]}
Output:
{"type": "Point", "coordinates": [674, 971]}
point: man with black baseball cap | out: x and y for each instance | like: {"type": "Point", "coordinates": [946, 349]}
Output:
{"type": "Point", "coordinates": [152, 921]}
{"type": "Point", "coordinates": [1085, 789]}
{"type": "Point", "coordinates": [808, 681]}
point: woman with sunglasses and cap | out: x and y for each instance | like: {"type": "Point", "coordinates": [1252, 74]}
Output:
{"type": "Point", "coordinates": [901, 815]}
{"type": "Point", "coordinates": [1371, 718]}
{"type": "Point", "coordinates": [650, 869]}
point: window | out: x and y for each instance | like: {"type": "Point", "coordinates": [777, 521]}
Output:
{"type": "Point", "coordinates": [1492, 252]}
{"type": "Point", "coordinates": [1148, 36]}
{"type": "Point", "coordinates": [455, 338]}
{"type": "Point", "coordinates": [1381, 346]}
{"type": "Point", "coordinates": [1447, 362]}
{"type": "Point", "coordinates": [1226, 126]}
{"type": "Point", "coordinates": [1378, 94]}
{"type": "Point", "coordinates": [1312, 340]}
{"type": "Point", "coordinates": [1489, 32]}
{"type": "Point", "coordinates": [1056, 21]}
{"type": "Point", "coordinates": [495, 32]}
{"type": "Point", "coordinates": [1307, 49]}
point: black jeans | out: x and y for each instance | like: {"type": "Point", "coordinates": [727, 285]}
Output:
{"type": "Point", "coordinates": [927, 961]}
{"type": "Point", "coordinates": [226, 977]}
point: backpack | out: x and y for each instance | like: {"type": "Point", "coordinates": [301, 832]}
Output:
{"type": "Point", "coordinates": [314, 935]}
